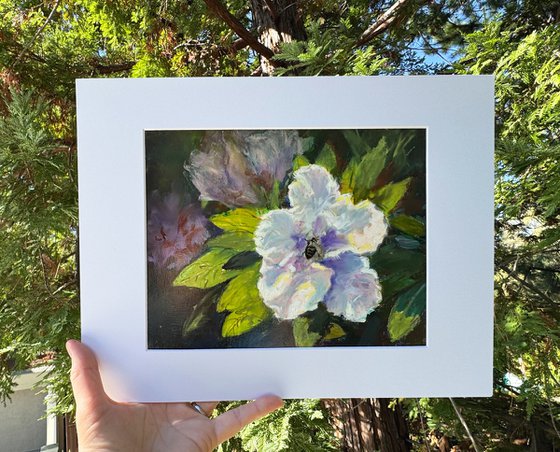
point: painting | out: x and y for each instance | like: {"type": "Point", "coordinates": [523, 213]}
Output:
{"type": "Point", "coordinates": [285, 238]}
{"type": "Point", "coordinates": [335, 239]}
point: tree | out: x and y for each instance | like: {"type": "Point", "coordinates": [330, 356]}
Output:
{"type": "Point", "coordinates": [523, 55]}
{"type": "Point", "coordinates": [45, 46]}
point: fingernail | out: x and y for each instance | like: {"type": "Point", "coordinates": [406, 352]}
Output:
{"type": "Point", "coordinates": [70, 344]}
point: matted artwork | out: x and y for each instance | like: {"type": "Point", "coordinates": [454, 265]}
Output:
{"type": "Point", "coordinates": [302, 236]}
{"type": "Point", "coordinates": [284, 238]}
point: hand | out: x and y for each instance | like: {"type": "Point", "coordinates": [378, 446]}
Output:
{"type": "Point", "coordinates": [105, 425]}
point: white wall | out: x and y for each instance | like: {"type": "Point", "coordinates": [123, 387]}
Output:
{"type": "Point", "coordinates": [20, 429]}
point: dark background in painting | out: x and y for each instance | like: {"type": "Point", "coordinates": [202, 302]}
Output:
{"type": "Point", "coordinates": [170, 307]}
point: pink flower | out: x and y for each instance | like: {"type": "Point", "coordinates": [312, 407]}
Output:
{"type": "Point", "coordinates": [176, 231]}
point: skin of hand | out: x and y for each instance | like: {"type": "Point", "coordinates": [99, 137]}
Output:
{"type": "Point", "coordinates": [106, 425]}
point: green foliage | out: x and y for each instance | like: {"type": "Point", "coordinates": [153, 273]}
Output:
{"type": "Point", "coordinates": [242, 299]}
{"type": "Point", "coordinates": [207, 271]}
{"type": "Point", "coordinates": [237, 220]}
{"type": "Point", "coordinates": [516, 41]}
{"type": "Point", "coordinates": [299, 161]}
{"type": "Point", "coordinates": [409, 225]}
{"type": "Point", "coordinates": [201, 312]}
{"type": "Point", "coordinates": [368, 169]}
{"type": "Point", "coordinates": [239, 241]}
{"type": "Point", "coordinates": [324, 53]}
{"type": "Point", "coordinates": [302, 335]}
{"type": "Point", "coordinates": [394, 260]}
{"type": "Point", "coordinates": [523, 56]}
{"type": "Point", "coordinates": [334, 332]}
{"type": "Point", "coordinates": [38, 224]}
{"type": "Point", "coordinates": [406, 312]}
{"type": "Point", "coordinates": [150, 66]}
{"type": "Point", "coordinates": [360, 177]}
{"type": "Point", "coordinates": [300, 426]}
{"type": "Point", "coordinates": [327, 158]}
{"type": "Point", "coordinates": [388, 196]}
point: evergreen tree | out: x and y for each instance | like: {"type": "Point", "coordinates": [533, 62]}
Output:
{"type": "Point", "coordinates": [45, 46]}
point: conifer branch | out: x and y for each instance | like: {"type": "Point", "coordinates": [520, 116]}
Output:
{"type": "Point", "coordinates": [528, 285]}
{"type": "Point", "coordinates": [219, 10]}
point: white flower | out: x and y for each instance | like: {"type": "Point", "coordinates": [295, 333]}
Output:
{"type": "Point", "coordinates": [312, 251]}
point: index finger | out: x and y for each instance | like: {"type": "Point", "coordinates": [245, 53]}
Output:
{"type": "Point", "coordinates": [229, 423]}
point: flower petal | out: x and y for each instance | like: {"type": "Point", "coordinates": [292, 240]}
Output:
{"type": "Point", "coordinates": [312, 191]}
{"type": "Point", "coordinates": [276, 237]}
{"type": "Point", "coordinates": [176, 231]}
{"type": "Point", "coordinates": [269, 153]}
{"type": "Point", "coordinates": [355, 290]}
{"type": "Point", "coordinates": [295, 288]}
{"type": "Point", "coordinates": [359, 228]}
{"type": "Point", "coordinates": [219, 171]}
{"type": "Point", "coordinates": [239, 167]}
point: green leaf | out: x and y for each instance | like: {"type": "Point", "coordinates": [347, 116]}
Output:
{"type": "Point", "coordinates": [242, 260]}
{"type": "Point", "coordinates": [242, 298]}
{"type": "Point", "coordinates": [407, 242]}
{"type": "Point", "coordinates": [327, 158]}
{"type": "Point", "coordinates": [199, 315]}
{"type": "Point", "coordinates": [392, 260]}
{"type": "Point", "coordinates": [334, 332]}
{"type": "Point", "coordinates": [273, 197]}
{"type": "Point", "coordinates": [300, 161]}
{"type": "Point", "coordinates": [239, 241]}
{"type": "Point", "coordinates": [396, 283]}
{"type": "Point", "coordinates": [200, 312]}
{"type": "Point", "coordinates": [307, 144]}
{"type": "Point", "coordinates": [207, 270]}
{"type": "Point", "coordinates": [194, 322]}
{"type": "Point", "coordinates": [241, 322]}
{"type": "Point", "coordinates": [408, 224]}
{"type": "Point", "coordinates": [347, 181]}
{"type": "Point", "coordinates": [388, 196]}
{"type": "Point", "coordinates": [400, 149]}
{"type": "Point", "coordinates": [237, 220]}
{"type": "Point", "coordinates": [355, 142]}
{"type": "Point", "coordinates": [407, 311]}
{"type": "Point", "coordinates": [368, 169]}
{"type": "Point", "coordinates": [302, 336]}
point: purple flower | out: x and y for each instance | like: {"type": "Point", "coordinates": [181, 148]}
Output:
{"type": "Point", "coordinates": [176, 231]}
{"type": "Point", "coordinates": [239, 168]}
{"type": "Point", "coordinates": [312, 252]}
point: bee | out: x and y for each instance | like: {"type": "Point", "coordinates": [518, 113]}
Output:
{"type": "Point", "coordinates": [312, 248]}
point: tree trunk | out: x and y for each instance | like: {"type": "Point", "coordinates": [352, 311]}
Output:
{"type": "Point", "coordinates": [67, 438]}
{"type": "Point", "coordinates": [368, 425]}
{"type": "Point", "coordinates": [277, 21]}
{"type": "Point", "coordinates": [540, 441]}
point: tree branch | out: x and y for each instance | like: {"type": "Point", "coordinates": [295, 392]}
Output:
{"type": "Point", "coordinates": [382, 23]}
{"type": "Point", "coordinates": [544, 269]}
{"type": "Point", "coordinates": [112, 68]}
{"type": "Point", "coordinates": [219, 10]}
{"type": "Point", "coordinates": [37, 33]}
{"type": "Point", "coordinates": [528, 285]}
{"type": "Point", "coordinates": [237, 45]}
{"type": "Point", "coordinates": [45, 277]}
{"type": "Point", "coordinates": [465, 425]}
